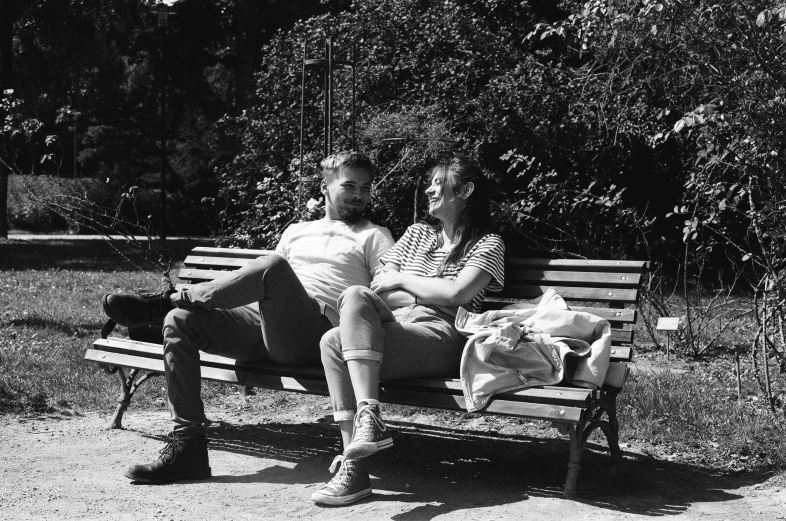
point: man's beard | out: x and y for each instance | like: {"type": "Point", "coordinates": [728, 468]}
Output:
{"type": "Point", "coordinates": [350, 214]}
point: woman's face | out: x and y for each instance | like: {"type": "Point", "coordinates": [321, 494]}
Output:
{"type": "Point", "coordinates": [442, 200]}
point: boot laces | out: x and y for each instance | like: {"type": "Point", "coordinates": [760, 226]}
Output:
{"type": "Point", "coordinates": [171, 449]}
{"type": "Point", "coordinates": [365, 421]}
{"type": "Point", "coordinates": [158, 299]}
{"type": "Point", "coordinates": [346, 471]}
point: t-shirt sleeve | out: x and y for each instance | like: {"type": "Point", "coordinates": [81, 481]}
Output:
{"type": "Point", "coordinates": [398, 252]}
{"type": "Point", "coordinates": [378, 245]}
{"type": "Point", "coordinates": [489, 255]}
{"type": "Point", "coordinates": [283, 244]}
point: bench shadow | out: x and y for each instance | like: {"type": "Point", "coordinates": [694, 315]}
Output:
{"type": "Point", "coordinates": [472, 469]}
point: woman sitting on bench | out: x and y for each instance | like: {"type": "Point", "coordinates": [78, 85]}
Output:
{"type": "Point", "coordinates": [408, 315]}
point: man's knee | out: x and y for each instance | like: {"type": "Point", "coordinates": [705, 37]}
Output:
{"type": "Point", "coordinates": [270, 262]}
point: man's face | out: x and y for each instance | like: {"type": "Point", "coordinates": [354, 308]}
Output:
{"type": "Point", "coordinates": [347, 196]}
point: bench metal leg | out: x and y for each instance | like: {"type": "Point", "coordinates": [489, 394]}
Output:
{"type": "Point", "coordinates": [610, 428]}
{"type": "Point", "coordinates": [579, 434]}
{"type": "Point", "coordinates": [577, 443]}
{"type": "Point", "coordinates": [128, 388]}
{"type": "Point", "coordinates": [613, 436]}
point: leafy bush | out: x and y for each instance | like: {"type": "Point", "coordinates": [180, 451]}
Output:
{"type": "Point", "coordinates": [28, 196]}
{"type": "Point", "coordinates": [442, 77]}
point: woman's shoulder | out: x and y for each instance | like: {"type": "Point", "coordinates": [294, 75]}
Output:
{"type": "Point", "coordinates": [420, 231]}
{"type": "Point", "coordinates": [490, 241]}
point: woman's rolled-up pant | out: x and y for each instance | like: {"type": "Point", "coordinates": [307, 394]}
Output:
{"type": "Point", "coordinates": [416, 341]}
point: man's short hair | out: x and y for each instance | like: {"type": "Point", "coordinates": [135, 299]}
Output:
{"type": "Point", "coordinates": [335, 163]}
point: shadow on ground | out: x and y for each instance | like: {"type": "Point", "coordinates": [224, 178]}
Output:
{"type": "Point", "coordinates": [92, 255]}
{"type": "Point", "coordinates": [53, 324]}
{"type": "Point", "coordinates": [445, 470]}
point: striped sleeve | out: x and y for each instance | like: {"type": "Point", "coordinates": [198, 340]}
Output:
{"type": "Point", "coordinates": [489, 255]}
{"type": "Point", "coordinates": [402, 249]}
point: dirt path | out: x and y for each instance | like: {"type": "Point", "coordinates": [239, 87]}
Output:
{"type": "Point", "coordinates": [61, 467]}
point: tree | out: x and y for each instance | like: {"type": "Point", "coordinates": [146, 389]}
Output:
{"type": "Point", "coordinates": [6, 77]}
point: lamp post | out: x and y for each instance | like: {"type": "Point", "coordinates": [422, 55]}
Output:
{"type": "Point", "coordinates": [163, 10]}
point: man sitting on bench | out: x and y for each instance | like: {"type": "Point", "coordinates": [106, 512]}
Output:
{"type": "Point", "coordinates": [275, 309]}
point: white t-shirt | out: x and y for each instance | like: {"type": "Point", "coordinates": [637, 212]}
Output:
{"type": "Point", "coordinates": [329, 255]}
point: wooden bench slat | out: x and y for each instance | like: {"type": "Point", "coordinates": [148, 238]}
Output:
{"type": "Point", "coordinates": [532, 263]}
{"type": "Point", "coordinates": [497, 405]}
{"type": "Point", "coordinates": [240, 253]}
{"type": "Point", "coordinates": [571, 396]}
{"type": "Point", "coordinates": [610, 279]}
{"type": "Point", "coordinates": [199, 275]}
{"type": "Point", "coordinates": [574, 278]}
{"type": "Point", "coordinates": [579, 264]}
{"type": "Point", "coordinates": [621, 353]}
{"type": "Point", "coordinates": [155, 351]}
{"type": "Point", "coordinates": [198, 262]}
{"type": "Point", "coordinates": [618, 295]}
{"type": "Point", "coordinates": [218, 374]}
{"type": "Point", "coordinates": [622, 316]}
{"type": "Point", "coordinates": [580, 398]}
{"type": "Point", "coordinates": [621, 336]}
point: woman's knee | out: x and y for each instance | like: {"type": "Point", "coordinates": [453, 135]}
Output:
{"type": "Point", "coordinates": [330, 343]}
{"type": "Point", "coordinates": [354, 296]}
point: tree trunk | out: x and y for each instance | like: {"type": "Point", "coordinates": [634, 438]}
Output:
{"type": "Point", "coordinates": [6, 50]}
{"type": "Point", "coordinates": [247, 52]}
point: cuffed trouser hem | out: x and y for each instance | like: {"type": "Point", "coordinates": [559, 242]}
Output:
{"type": "Point", "coordinates": [192, 429]}
{"type": "Point", "coordinates": [361, 354]}
{"type": "Point", "coordinates": [343, 416]}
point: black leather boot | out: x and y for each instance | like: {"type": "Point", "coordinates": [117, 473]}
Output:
{"type": "Point", "coordinates": [137, 309]}
{"type": "Point", "coordinates": [183, 457]}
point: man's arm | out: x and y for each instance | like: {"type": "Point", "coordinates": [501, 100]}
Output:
{"type": "Point", "coordinates": [396, 298]}
{"type": "Point", "coordinates": [375, 248]}
{"type": "Point", "coordinates": [282, 248]}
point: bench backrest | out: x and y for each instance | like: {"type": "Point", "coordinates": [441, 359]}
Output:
{"type": "Point", "coordinates": [609, 289]}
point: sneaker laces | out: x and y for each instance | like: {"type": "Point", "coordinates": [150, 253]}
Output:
{"type": "Point", "coordinates": [364, 428]}
{"type": "Point", "coordinates": [343, 477]}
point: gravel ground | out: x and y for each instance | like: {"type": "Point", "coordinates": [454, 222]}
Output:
{"type": "Point", "coordinates": [66, 466]}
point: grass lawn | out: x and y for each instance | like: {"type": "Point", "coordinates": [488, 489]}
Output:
{"type": "Point", "coordinates": [50, 313]}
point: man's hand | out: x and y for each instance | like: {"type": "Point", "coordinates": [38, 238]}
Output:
{"type": "Point", "coordinates": [386, 281]}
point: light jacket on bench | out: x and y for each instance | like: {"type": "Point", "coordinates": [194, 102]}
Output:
{"type": "Point", "coordinates": [509, 350]}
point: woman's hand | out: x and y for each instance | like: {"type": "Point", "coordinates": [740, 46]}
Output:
{"type": "Point", "coordinates": [386, 281]}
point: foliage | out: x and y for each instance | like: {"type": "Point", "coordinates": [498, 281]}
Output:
{"type": "Point", "coordinates": [568, 137]}
{"type": "Point", "coordinates": [27, 209]}
{"type": "Point", "coordinates": [88, 77]}
{"type": "Point", "coordinates": [697, 412]}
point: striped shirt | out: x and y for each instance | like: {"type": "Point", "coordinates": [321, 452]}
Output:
{"type": "Point", "coordinates": [416, 253]}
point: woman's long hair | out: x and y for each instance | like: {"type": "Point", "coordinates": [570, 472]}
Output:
{"type": "Point", "coordinates": [474, 219]}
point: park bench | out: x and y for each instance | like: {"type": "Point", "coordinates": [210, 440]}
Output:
{"type": "Point", "coordinates": [609, 289]}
